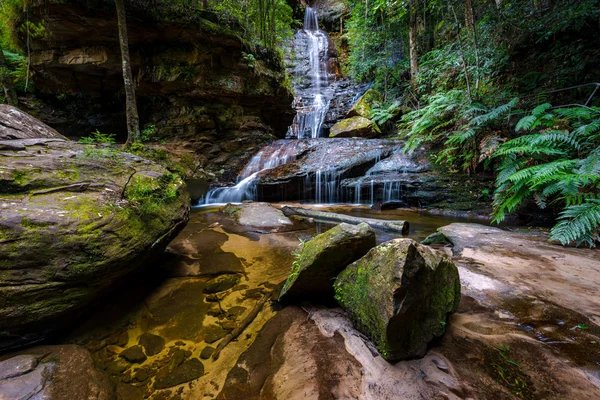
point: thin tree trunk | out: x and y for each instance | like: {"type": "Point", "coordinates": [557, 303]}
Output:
{"type": "Point", "coordinates": [133, 121]}
{"type": "Point", "coordinates": [413, 51]}
{"type": "Point", "coordinates": [462, 56]}
{"type": "Point", "coordinates": [472, 29]}
{"type": "Point", "coordinates": [7, 84]}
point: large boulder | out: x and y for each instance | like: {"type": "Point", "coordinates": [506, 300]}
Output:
{"type": "Point", "coordinates": [364, 104]}
{"type": "Point", "coordinates": [400, 295]}
{"type": "Point", "coordinates": [325, 256]}
{"type": "Point", "coordinates": [15, 124]}
{"type": "Point", "coordinates": [53, 372]}
{"type": "Point", "coordinates": [73, 220]}
{"type": "Point", "coordinates": [354, 127]}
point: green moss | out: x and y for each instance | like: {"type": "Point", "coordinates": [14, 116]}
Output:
{"type": "Point", "coordinates": [148, 194]}
{"type": "Point", "coordinates": [352, 288]}
{"type": "Point", "coordinates": [31, 224]}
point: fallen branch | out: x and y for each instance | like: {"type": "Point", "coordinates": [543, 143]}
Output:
{"type": "Point", "coordinates": [399, 226]}
{"type": "Point", "coordinates": [241, 327]}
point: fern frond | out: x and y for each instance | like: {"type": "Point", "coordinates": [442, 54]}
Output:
{"type": "Point", "coordinates": [541, 109]}
{"type": "Point", "coordinates": [578, 224]}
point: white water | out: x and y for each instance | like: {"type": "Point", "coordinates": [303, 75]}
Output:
{"type": "Point", "coordinates": [279, 153]}
{"type": "Point", "coordinates": [312, 104]}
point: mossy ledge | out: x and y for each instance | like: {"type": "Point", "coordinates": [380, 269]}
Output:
{"type": "Point", "coordinates": [72, 224]}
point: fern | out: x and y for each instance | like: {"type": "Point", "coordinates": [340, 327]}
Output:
{"type": "Point", "coordinates": [559, 167]}
{"type": "Point", "coordinates": [579, 224]}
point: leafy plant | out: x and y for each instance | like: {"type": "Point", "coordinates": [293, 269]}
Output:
{"type": "Point", "coordinates": [381, 113]}
{"type": "Point", "coordinates": [557, 164]}
{"type": "Point", "coordinates": [250, 59]}
{"type": "Point", "coordinates": [98, 137]}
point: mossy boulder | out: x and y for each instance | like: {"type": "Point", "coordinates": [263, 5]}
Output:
{"type": "Point", "coordinates": [355, 127]}
{"type": "Point", "coordinates": [323, 257]}
{"type": "Point", "coordinates": [74, 219]}
{"type": "Point", "coordinates": [364, 104]}
{"type": "Point", "coordinates": [400, 295]}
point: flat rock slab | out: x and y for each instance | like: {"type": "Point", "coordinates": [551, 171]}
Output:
{"type": "Point", "coordinates": [262, 215]}
{"type": "Point", "coordinates": [529, 264]}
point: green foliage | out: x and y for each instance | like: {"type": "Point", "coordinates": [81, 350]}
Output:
{"type": "Point", "coordinates": [250, 59]}
{"type": "Point", "coordinates": [98, 137]}
{"type": "Point", "coordinates": [556, 164]}
{"type": "Point", "coordinates": [381, 113]}
{"type": "Point", "coordinates": [463, 129]}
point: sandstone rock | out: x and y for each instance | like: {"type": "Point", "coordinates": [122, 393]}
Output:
{"type": "Point", "coordinates": [134, 354]}
{"type": "Point", "coordinates": [193, 84]}
{"type": "Point", "coordinates": [152, 344]}
{"type": "Point", "coordinates": [15, 124]}
{"type": "Point", "coordinates": [188, 371]}
{"type": "Point", "coordinates": [355, 127]}
{"type": "Point", "coordinates": [400, 295]}
{"type": "Point", "coordinates": [52, 372]}
{"type": "Point", "coordinates": [325, 256]}
{"type": "Point", "coordinates": [364, 104]}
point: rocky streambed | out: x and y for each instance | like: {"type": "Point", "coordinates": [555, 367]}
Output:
{"type": "Point", "coordinates": [526, 325]}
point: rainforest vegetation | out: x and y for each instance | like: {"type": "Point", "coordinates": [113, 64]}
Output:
{"type": "Point", "coordinates": [503, 86]}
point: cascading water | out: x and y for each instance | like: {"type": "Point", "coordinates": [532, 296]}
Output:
{"type": "Point", "coordinates": [279, 153]}
{"type": "Point", "coordinates": [311, 102]}
{"type": "Point", "coordinates": [327, 182]}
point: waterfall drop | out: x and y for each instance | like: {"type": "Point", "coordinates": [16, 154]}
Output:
{"type": "Point", "coordinates": [312, 97]}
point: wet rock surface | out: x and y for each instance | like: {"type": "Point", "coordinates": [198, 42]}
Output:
{"type": "Point", "coordinates": [507, 340]}
{"type": "Point", "coordinates": [320, 260]}
{"type": "Point", "coordinates": [400, 295]}
{"type": "Point", "coordinates": [72, 224]}
{"type": "Point", "coordinates": [52, 372]}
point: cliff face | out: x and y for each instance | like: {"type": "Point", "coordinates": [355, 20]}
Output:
{"type": "Point", "coordinates": [194, 79]}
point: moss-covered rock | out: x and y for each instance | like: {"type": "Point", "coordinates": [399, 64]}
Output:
{"type": "Point", "coordinates": [364, 104]}
{"type": "Point", "coordinates": [355, 127]}
{"type": "Point", "coordinates": [73, 220]}
{"type": "Point", "coordinates": [400, 295]}
{"type": "Point", "coordinates": [323, 257]}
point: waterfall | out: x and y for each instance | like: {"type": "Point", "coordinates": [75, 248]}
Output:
{"type": "Point", "coordinates": [312, 102]}
{"type": "Point", "coordinates": [279, 153]}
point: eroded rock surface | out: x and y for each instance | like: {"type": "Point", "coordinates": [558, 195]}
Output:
{"type": "Point", "coordinates": [15, 124]}
{"type": "Point", "coordinates": [73, 220]}
{"type": "Point", "coordinates": [323, 257]}
{"type": "Point", "coordinates": [53, 373]}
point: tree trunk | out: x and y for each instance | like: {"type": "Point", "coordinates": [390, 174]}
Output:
{"type": "Point", "coordinates": [469, 18]}
{"type": "Point", "coordinates": [205, 4]}
{"type": "Point", "coordinates": [7, 84]}
{"type": "Point", "coordinates": [133, 121]}
{"type": "Point", "coordinates": [412, 37]}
